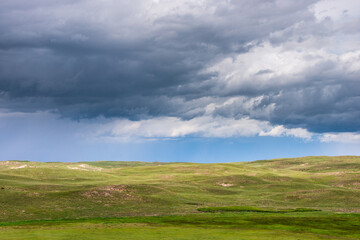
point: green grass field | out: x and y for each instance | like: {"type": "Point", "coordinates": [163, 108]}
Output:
{"type": "Point", "coordinates": [134, 200]}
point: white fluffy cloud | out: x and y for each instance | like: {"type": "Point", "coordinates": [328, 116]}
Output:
{"type": "Point", "coordinates": [347, 137]}
{"type": "Point", "coordinates": [266, 67]}
{"type": "Point", "coordinates": [205, 126]}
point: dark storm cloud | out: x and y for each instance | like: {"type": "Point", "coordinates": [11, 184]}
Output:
{"type": "Point", "coordinates": [320, 107]}
{"type": "Point", "coordinates": [145, 59]}
{"type": "Point", "coordinates": [324, 98]}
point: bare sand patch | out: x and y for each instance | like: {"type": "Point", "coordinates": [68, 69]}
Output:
{"type": "Point", "coordinates": [113, 191]}
{"type": "Point", "coordinates": [85, 167]}
{"type": "Point", "coordinates": [226, 184]}
{"type": "Point", "coordinates": [166, 177]}
{"type": "Point", "coordinates": [77, 168]}
{"type": "Point", "coordinates": [22, 166]}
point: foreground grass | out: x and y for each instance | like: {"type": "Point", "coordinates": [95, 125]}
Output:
{"type": "Point", "coordinates": [135, 231]}
{"type": "Point", "coordinates": [195, 226]}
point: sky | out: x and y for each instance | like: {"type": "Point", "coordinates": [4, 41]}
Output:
{"type": "Point", "coordinates": [187, 80]}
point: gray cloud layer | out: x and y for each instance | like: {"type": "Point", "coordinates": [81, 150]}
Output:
{"type": "Point", "coordinates": [146, 59]}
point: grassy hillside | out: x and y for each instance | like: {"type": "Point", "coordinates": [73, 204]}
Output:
{"type": "Point", "coordinates": [300, 198]}
{"type": "Point", "coordinates": [34, 190]}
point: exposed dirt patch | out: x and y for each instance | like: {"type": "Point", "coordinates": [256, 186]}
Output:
{"type": "Point", "coordinates": [334, 173]}
{"type": "Point", "coordinates": [226, 184]}
{"type": "Point", "coordinates": [113, 191]}
{"type": "Point", "coordinates": [166, 177]}
{"type": "Point", "coordinates": [251, 174]}
{"type": "Point", "coordinates": [85, 167]}
{"type": "Point", "coordinates": [22, 166]}
{"type": "Point", "coordinates": [202, 173]}
{"type": "Point", "coordinates": [237, 180]}
{"type": "Point", "coordinates": [338, 185]}
{"type": "Point", "coordinates": [33, 194]}
{"type": "Point", "coordinates": [15, 164]}
{"type": "Point", "coordinates": [347, 184]}
{"type": "Point", "coordinates": [77, 168]}
{"type": "Point", "coordinates": [115, 188]}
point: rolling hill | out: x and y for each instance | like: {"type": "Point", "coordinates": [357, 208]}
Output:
{"type": "Point", "coordinates": [38, 190]}
{"type": "Point", "coordinates": [38, 193]}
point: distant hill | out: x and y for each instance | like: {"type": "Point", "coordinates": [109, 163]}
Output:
{"type": "Point", "coordinates": [38, 190]}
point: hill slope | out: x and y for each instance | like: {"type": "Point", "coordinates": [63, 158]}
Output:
{"type": "Point", "coordinates": [34, 190]}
